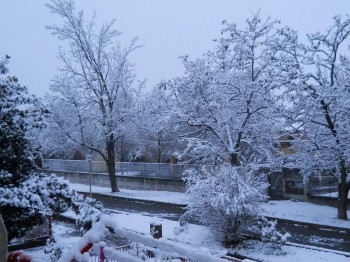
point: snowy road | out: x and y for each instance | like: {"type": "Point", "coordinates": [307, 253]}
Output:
{"type": "Point", "coordinates": [303, 234]}
{"type": "Point", "coordinates": [321, 237]}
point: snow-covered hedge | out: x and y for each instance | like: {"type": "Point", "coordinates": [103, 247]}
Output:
{"type": "Point", "coordinates": [27, 204]}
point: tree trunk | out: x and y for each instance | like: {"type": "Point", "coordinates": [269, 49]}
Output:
{"type": "Point", "coordinates": [343, 190]}
{"type": "Point", "coordinates": [234, 159]}
{"type": "Point", "coordinates": [111, 164]}
{"type": "Point", "coordinates": [159, 147]}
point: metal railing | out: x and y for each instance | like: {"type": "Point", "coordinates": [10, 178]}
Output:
{"type": "Point", "coordinates": [37, 232]}
{"type": "Point", "coordinates": [142, 169]}
{"type": "Point", "coordinates": [150, 253]}
{"type": "Point", "coordinates": [98, 255]}
{"type": "Point", "coordinates": [323, 185]}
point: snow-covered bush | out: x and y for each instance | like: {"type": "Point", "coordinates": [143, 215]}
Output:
{"type": "Point", "coordinates": [54, 192]}
{"type": "Point", "coordinates": [225, 198]}
{"type": "Point", "coordinates": [20, 209]}
{"type": "Point", "coordinates": [269, 233]}
{"type": "Point", "coordinates": [53, 250]}
{"type": "Point", "coordinates": [28, 204]}
{"type": "Point", "coordinates": [25, 196]}
{"type": "Point", "coordinates": [138, 250]}
{"type": "Point", "coordinates": [90, 211]}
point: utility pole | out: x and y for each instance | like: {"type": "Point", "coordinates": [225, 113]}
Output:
{"type": "Point", "coordinates": [89, 157]}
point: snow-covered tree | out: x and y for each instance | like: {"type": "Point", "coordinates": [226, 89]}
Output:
{"type": "Point", "coordinates": [21, 117]}
{"type": "Point", "coordinates": [319, 106]}
{"type": "Point", "coordinates": [226, 107]}
{"type": "Point", "coordinates": [226, 198]}
{"type": "Point", "coordinates": [228, 112]}
{"type": "Point", "coordinates": [155, 127]}
{"type": "Point", "coordinates": [93, 95]}
{"type": "Point", "coordinates": [25, 197]}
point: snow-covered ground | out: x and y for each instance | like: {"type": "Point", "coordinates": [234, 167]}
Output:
{"type": "Point", "coordinates": [332, 195]}
{"type": "Point", "coordinates": [305, 212]}
{"type": "Point", "coordinates": [285, 209]}
{"type": "Point", "coordinates": [194, 239]}
{"type": "Point", "coordinates": [160, 196]}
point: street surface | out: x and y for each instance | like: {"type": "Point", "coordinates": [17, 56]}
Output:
{"type": "Point", "coordinates": [323, 236]}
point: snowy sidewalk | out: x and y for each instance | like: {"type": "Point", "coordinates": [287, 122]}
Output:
{"type": "Point", "coordinates": [282, 209]}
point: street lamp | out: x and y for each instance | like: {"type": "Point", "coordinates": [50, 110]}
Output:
{"type": "Point", "coordinates": [89, 157]}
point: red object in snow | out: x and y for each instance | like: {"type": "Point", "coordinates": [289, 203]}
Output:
{"type": "Point", "coordinates": [102, 255]}
{"type": "Point", "coordinates": [18, 256]}
{"type": "Point", "coordinates": [86, 248]}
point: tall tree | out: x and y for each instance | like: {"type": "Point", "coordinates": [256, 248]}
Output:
{"type": "Point", "coordinates": [21, 118]}
{"type": "Point", "coordinates": [155, 129]}
{"type": "Point", "coordinates": [93, 95]}
{"type": "Point", "coordinates": [226, 108]}
{"type": "Point", "coordinates": [25, 197]}
{"type": "Point", "coordinates": [319, 107]}
{"type": "Point", "coordinates": [226, 102]}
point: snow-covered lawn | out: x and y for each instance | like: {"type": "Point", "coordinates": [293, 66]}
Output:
{"type": "Point", "coordinates": [199, 240]}
{"type": "Point", "coordinates": [160, 196]}
{"type": "Point", "coordinates": [285, 209]}
{"type": "Point", "coordinates": [332, 195]}
{"type": "Point", "coordinates": [305, 212]}
{"type": "Point", "coordinates": [194, 239]}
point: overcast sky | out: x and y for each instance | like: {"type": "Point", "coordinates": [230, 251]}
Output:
{"type": "Point", "coordinates": [166, 28]}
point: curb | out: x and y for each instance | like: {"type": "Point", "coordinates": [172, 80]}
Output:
{"type": "Point", "coordinates": [307, 224]}
{"type": "Point", "coordinates": [321, 249]}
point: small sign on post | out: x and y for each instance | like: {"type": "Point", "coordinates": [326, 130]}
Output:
{"type": "Point", "coordinates": [156, 230]}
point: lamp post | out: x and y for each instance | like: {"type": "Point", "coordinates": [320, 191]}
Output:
{"type": "Point", "coordinates": [89, 157]}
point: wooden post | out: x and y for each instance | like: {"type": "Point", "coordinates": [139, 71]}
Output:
{"type": "Point", "coordinates": [50, 226]}
{"type": "Point", "coordinates": [173, 162]}
{"type": "Point", "coordinates": [102, 255]}
{"type": "Point", "coordinates": [3, 240]}
{"type": "Point", "coordinates": [156, 230]}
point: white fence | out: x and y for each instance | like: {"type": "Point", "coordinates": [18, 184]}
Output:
{"type": "Point", "coordinates": [142, 169]}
